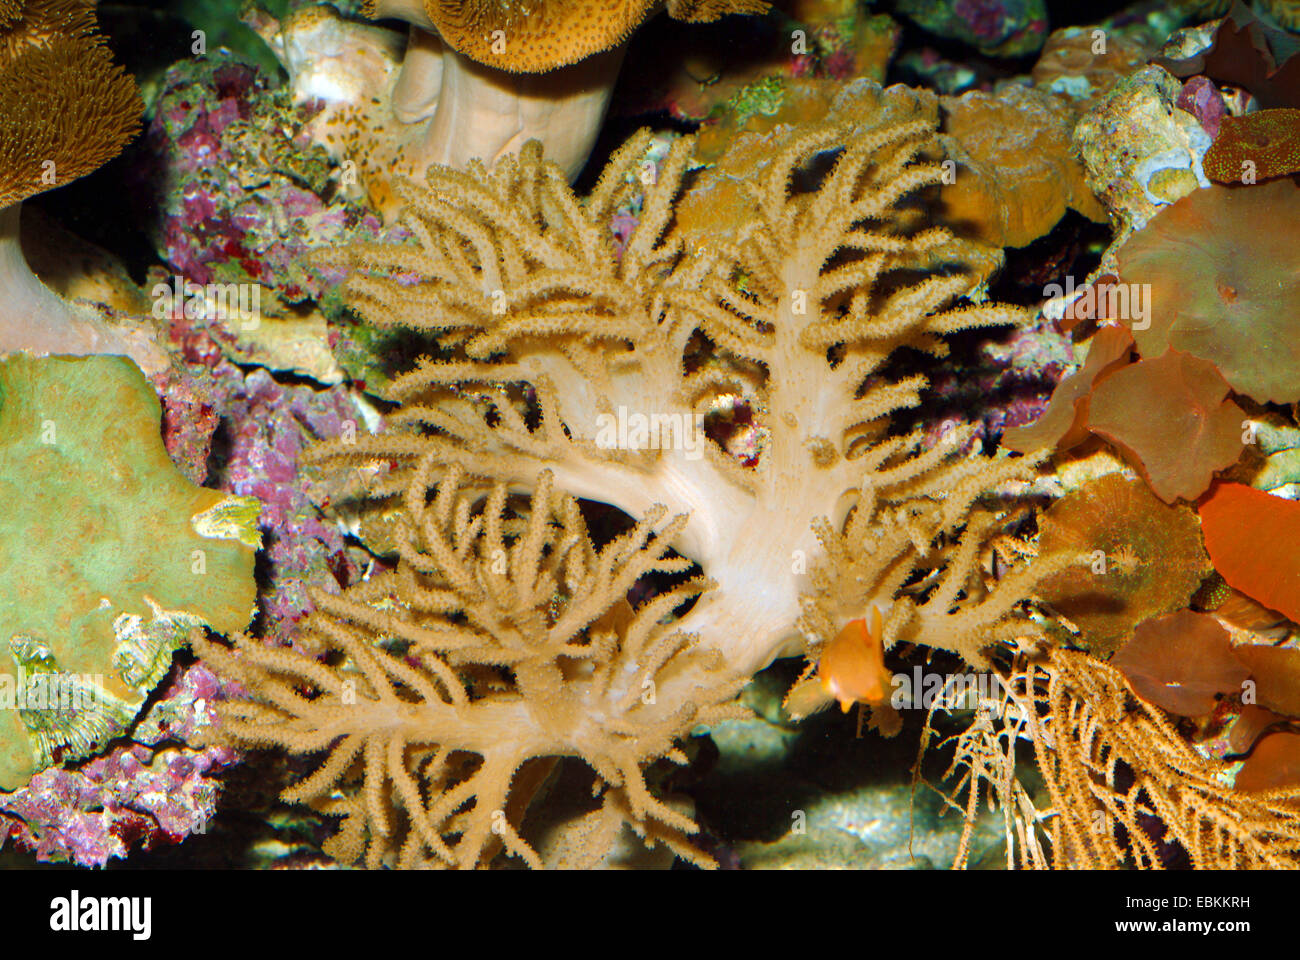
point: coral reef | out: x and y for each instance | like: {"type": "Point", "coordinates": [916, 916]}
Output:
{"type": "Point", "coordinates": [580, 491]}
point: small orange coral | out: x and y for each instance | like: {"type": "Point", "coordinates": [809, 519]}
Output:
{"type": "Point", "coordinates": [1224, 268]}
{"type": "Point", "coordinates": [1171, 417]}
{"type": "Point", "coordinates": [1253, 539]}
{"type": "Point", "coordinates": [1180, 662]}
{"type": "Point", "coordinates": [1147, 561]}
{"type": "Point", "coordinates": [1257, 146]}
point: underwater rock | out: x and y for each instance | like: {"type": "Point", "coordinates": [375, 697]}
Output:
{"type": "Point", "coordinates": [1007, 386]}
{"type": "Point", "coordinates": [243, 197]}
{"type": "Point", "coordinates": [152, 790]}
{"type": "Point", "coordinates": [1202, 99]}
{"type": "Point", "coordinates": [1140, 151]}
{"type": "Point", "coordinates": [996, 28]}
{"type": "Point", "coordinates": [266, 427]}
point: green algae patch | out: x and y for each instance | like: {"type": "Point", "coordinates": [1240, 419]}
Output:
{"type": "Point", "coordinates": [109, 557]}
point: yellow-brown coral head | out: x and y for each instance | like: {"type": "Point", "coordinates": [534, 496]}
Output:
{"type": "Point", "coordinates": [66, 109]}
{"type": "Point", "coordinates": [533, 36]}
{"type": "Point", "coordinates": [40, 23]}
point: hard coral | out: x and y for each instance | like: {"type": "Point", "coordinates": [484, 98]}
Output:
{"type": "Point", "coordinates": [110, 556]}
{"type": "Point", "coordinates": [1224, 268]}
{"type": "Point", "coordinates": [1078, 64]}
{"type": "Point", "coordinates": [557, 341]}
{"type": "Point", "coordinates": [1016, 171]}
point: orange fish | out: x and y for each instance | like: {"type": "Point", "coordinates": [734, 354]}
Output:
{"type": "Point", "coordinates": [852, 667]}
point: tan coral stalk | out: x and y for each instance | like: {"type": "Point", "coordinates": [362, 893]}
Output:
{"type": "Point", "coordinates": [419, 83]}
{"type": "Point", "coordinates": [65, 110]}
{"type": "Point", "coordinates": [482, 77]}
{"type": "Point", "coordinates": [485, 113]}
{"type": "Point", "coordinates": [36, 320]}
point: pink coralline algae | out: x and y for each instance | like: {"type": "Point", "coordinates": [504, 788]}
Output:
{"type": "Point", "coordinates": [189, 420]}
{"type": "Point", "coordinates": [1008, 383]}
{"type": "Point", "coordinates": [265, 427]}
{"type": "Point", "coordinates": [1201, 98]}
{"type": "Point", "coordinates": [152, 791]}
{"type": "Point", "coordinates": [245, 433]}
{"type": "Point", "coordinates": [242, 194]}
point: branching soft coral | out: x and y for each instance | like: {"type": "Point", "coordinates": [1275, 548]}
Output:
{"type": "Point", "coordinates": [1124, 787]}
{"type": "Point", "coordinates": [502, 639]}
{"type": "Point", "coordinates": [595, 371]}
{"type": "Point", "coordinates": [805, 306]}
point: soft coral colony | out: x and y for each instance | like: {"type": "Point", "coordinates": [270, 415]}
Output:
{"type": "Point", "coordinates": [440, 695]}
{"type": "Point", "coordinates": [504, 639]}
